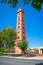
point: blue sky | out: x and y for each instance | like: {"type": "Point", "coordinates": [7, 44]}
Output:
{"type": "Point", "coordinates": [32, 18]}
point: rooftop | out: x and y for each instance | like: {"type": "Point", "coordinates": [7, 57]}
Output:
{"type": "Point", "coordinates": [19, 10]}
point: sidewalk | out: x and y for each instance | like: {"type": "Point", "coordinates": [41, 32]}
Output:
{"type": "Point", "coordinates": [22, 57]}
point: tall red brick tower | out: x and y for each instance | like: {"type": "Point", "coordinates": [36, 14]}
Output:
{"type": "Point", "coordinates": [20, 27]}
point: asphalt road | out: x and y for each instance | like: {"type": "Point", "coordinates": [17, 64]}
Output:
{"type": "Point", "coordinates": [6, 61]}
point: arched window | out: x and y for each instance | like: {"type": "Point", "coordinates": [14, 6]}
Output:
{"type": "Point", "coordinates": [18, 26]}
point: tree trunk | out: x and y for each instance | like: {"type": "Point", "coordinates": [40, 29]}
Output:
{"type": "Point", "coordinates": [8, 52]}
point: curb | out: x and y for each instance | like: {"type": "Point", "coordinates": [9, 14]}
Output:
{"type": "Point", "coordinates": [28, 58]}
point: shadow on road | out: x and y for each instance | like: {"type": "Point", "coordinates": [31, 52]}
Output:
{"type": "Point", "coordinates": [39, 64]}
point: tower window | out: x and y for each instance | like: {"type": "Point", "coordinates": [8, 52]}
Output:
{"type": "Point", "coordinates": [22, 20]}
{"type": "Point", "coordinates": [23, 32]}
{"type": "Point", "coordinates": [18, 23]}
{"type": "Point", "coordinates": [18, 16]}
{"type": "Point", "coordinates": [23, 37]}
{"type": "Point", "coordinates": [18, 37]}
{"type": "Point", "coordinates": [22, 23]}
{"type": "Point", "coordinates": [18, 26]}
{"type": "Point", "coordinates": [23, 26]}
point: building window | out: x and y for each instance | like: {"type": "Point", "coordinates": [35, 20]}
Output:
{"type": "Point", "coordinates": [18, 23]}
{"type": "Point", "coordinates": [23, 37]}
{"type": "Point", "coordinates": [18, 37]}
{"type": "Point", "coordinates": [23, 26]}
{"type": "Point", "coordinates": [18, 16]}
{"type": "Point", "coordinates": [18, 26]}
{"type": "Point", "coordinates": [23, 32]}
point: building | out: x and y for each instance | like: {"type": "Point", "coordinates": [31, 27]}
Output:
{"type": "Point", "coordinates": [20, 28]}
{"type": "Point", "coordinates": [38, 49]}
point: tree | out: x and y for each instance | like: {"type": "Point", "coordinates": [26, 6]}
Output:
{"type": "Point", "coordinates": [0, 39]}
{"type": "Point", "coordinates": [12, 2]}
{"type": "Point", "coordinates": [11, 37]}
{"type": "Point", "coordinates": [8, 37]}
{"type": "Point", "coordinates": [23, 46]}
{"type": "Point", "coordinates": [35, 3]}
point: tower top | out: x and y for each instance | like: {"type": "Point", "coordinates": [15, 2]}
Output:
{"type": "Point", "coordinates": [20, 10]}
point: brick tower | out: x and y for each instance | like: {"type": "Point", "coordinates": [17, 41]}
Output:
{"type": "Point", "coordinates": [20, 27]}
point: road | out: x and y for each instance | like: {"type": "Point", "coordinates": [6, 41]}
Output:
{"type": "Point", "coordinates": [15, 61]}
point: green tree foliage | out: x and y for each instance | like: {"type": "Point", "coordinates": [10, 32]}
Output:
{"type": "Point", "coordinates": [7, 37]}
{"type": "Point", "coordinates": [12, 2]}
{"type": "Point", "coordinates": [35, 3]}
{"type": "Point", "coordinates": [0, 38]}
{"type": "Point", "coordinates": [23, 45]}
{"type": "Point", "coordinates": [11, 37]}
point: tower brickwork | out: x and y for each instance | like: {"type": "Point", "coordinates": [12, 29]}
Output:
{"type": "Point", "coordinates": [20, 26]}
{"type": "Point", "coordinates": [20, 29]}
